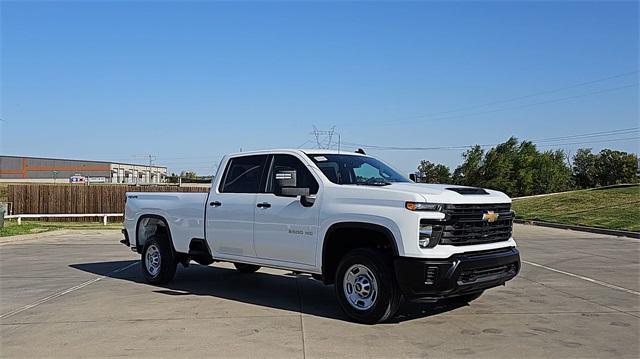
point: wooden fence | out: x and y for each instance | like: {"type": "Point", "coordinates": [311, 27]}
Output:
{"type": "Point", "coordinates": [78, 199]}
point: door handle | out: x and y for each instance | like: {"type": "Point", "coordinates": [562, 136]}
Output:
{"type": "Point", "coordinates": [215, 204]}
{"type": "Point", "coordinates": [264, 205]}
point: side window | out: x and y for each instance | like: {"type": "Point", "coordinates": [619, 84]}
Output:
{"type": "Point", "coordinates": [243, 175]}
{"type": "Point", "coordinates": [304, 178]}
{"type": "Point", "coordinates": [331, 170]}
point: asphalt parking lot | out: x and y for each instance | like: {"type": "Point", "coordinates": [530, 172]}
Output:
{"type": "Point", "coordinates": [81, 294]}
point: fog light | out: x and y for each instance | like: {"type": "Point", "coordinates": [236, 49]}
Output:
{"type": "Point", "coordinates": [426, 232]}
{"type": "Point", "coordinates": [429, 235]}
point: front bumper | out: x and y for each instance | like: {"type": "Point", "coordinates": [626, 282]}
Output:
{"type": "Point", "coordinates": [457, 275]}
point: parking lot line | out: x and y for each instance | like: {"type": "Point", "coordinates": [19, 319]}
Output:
{"type": "Point", "coordinates": [595, 281]}
{"type": "Point", "coordinates": [63, 292]}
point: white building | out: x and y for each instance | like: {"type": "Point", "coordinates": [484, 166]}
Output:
{"type": "Point", "coordinates": [54, 170]}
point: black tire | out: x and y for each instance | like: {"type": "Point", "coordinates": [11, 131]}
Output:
{"type": "Point", "coordinates": [386, 299]}
{"type": "Point", "coordinates": [246, 268]}
{"type": "Point", "coordinates": [167, 260]}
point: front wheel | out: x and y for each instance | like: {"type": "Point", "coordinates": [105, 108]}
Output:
{"type": "Point", "coordinates": [366, 286]}
{"type": "Point", "coordinates": [158, 261]}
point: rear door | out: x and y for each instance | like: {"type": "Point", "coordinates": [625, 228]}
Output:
{"type": "Point", "coordinates": [230, 208]}
{"type": "Point", "coordinates": [285, 230]}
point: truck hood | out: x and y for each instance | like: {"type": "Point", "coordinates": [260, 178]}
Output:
{"type": "Point", "coordinates": [442, 193]}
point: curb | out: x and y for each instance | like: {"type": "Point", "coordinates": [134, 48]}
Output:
{"type": "Point", "coordinates": [611, 232]}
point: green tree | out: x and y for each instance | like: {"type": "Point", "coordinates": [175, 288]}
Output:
{"type": "Point", "coordinates": [433, 173]}
{"type": "Point", "coordinates": [469, 173]}
{"type": "Point", "coordinates": [188, 174]}
{"type": "Point", "coordinates": [499, 167]}
{"type": "Point", "coordinates": [585, 170]}
{"type": "Point", "coordinates": [615, 167]}
{"type": "Point", "coordinates": [517, 169]}
{"type": "Point", "coordinates": [524, 170]}
{"type": "Point", "coordinates": [552, 174]}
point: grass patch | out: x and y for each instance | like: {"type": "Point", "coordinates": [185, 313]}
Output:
{"type": "Point", "coordinates": [11, 227]}
{"type": "Point", "coordinates": [614, 208]}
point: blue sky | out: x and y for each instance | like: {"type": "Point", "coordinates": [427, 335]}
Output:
{"type": "Point", "coordinates": [190, 81]}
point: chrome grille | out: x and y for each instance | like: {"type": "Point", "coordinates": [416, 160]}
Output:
{"type": "Point", "coordinates": [464, 224]}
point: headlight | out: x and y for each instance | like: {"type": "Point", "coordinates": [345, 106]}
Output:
{"type": "Point", "coordinates": [423, 206]}
{"type": "Point", "coordinates": [429, 235]}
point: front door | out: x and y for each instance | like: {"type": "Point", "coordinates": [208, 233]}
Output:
{"type": "Point", "coordinates": [284, 229]}
{"type": "Point", "coordinates": [230, 209]}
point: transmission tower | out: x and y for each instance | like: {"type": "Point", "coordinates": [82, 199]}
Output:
{"type": "Point", "coordinates": [325, 138]}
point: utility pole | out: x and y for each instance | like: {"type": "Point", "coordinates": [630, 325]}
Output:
{"type": "Point", "coordinates": [151, 159]}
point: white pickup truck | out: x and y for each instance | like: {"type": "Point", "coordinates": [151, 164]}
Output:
{"type": "Point", "coordinates": [346, 218]}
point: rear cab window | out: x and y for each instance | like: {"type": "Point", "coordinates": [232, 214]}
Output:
{"type": "Point", "coordinates": [244, 175]}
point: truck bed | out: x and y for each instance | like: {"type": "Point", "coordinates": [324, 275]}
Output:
{"type": "Point", "coordinates": [183, 211]}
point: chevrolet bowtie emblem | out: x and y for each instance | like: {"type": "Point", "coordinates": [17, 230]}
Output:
{"type": "Point", "coordinates": [490, 216]}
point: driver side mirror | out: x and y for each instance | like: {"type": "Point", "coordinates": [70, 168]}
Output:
{"type": "Point", "coordinates": [286, 184]}
{"type": "Point", "coordinates": [294, 192]}
{"type": "Point", "coordinates": [286, 178]}
{"type": "Point", "coordinates": [287, 181]}
{"type": "Point", "coordinates": [412, 176]}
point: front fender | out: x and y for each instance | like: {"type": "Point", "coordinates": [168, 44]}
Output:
{"type": "Point", "coordinates": [355, 218]}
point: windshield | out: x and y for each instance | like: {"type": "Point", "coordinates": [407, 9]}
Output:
{"type": "Point", "coordinates": [358, 170]}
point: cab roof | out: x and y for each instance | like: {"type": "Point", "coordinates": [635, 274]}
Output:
{"type": "Point", "coordinates": [302, 151]}
{"type": "Point", "coordinates": [329, 152]}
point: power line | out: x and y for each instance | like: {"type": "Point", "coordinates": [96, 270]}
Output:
{"type": "Point", "coordinates": [304, 143]}
{"type": "Point", "coordinates": [591, 142]}
{"type": "Point", "coordinates": [462, 147]}
{"type": "Point", "coordinates": [491, 145]}
{"type": "Point", "coordinates": [535, 94]}
{"type": "Point", "coordinates": [524, 105]}
{"type": "Point", "coordinates": [594, 134]}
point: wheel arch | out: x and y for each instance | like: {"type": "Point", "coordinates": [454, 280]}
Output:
{"type": "Point", "coordinates": [335, 245]}
{"type": "Point", "coordinates": [155, 221]}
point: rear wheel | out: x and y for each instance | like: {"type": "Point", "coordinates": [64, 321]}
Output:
{"type": "Point", "coordinates": [366, 286]}
{"type": "Point", "coordinates": [246, 268]}
{"type": "Point", "coordinates": [158, 260]}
